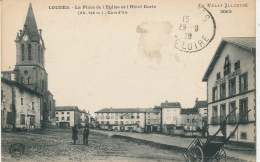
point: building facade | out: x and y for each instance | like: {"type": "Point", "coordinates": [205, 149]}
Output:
{"type": "Point", "coordinates": [231, 85]}
{"type": "Point", "coordinates": [67, 116]}
{"type": "Point", "coordinates": [30, 65]}
{"type": "Point", "coordinates": [20, 106]}
{"type": "Point", "coordinates": [171, 116]}
{"type": "Point", "coordinates": [129, 119]}
{"type": "Point", "coordinates": [84, 118]}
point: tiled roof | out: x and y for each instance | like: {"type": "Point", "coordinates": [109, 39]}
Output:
{"type": "Point", "coordinates": [245, 42]}
{"type": "Point", "coordinates": [170, 105]}
{"type": "Point", "coordinates": [248, 43]}
{"type": "Point", "coordinates": [127, 110]}
{"type": "Point", "coordinates": [66, 108]}
{"type": "Point", "coordinates": [21, 86]}
{"type": "Point", "coordinates": [201, 104]}
{"type": "Point", "coordinates": [189, 111]}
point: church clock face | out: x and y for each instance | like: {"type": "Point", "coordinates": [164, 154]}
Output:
{"type": "Point", "coordinates": [25, 37]}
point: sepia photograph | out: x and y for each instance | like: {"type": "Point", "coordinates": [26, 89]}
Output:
{"type": "Point", "coordinates": [128, 80]}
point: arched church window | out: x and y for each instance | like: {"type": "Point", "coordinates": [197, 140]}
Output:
{"type": "Point", "coordinates": [22, 81]}
{"type": "Point", "coordinates": [42, 85]}
{"type": "Point", "coordinates": [29, 52]}
{"type": "Point", "coordinates": [22, 49]}
{"type": "Point", "coordinates": [39, 53]}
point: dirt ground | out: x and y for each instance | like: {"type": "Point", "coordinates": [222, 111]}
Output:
{"type": "Point", "coordinates": [56, 145]}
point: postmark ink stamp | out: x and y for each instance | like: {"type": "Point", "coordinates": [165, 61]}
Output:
{"type": "Point", "coordinates": [194, 31]}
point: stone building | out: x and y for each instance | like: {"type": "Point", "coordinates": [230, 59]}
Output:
{"type": "Point", "coordinates": [129, 119]}
{"type": "Point", "coordinates": [231, 85]}
{"type": "Point", "coordinates": [30, 66]}
{"type": "Point", "coordinates": [171, 116]}
{"type": "Point", "coordinates": [67, 116]}
{"type": "Point", "coordinates": [84, 118]}
{"type": "Point", "coordinates": [20, 106]}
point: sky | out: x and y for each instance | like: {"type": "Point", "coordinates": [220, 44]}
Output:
{"type": "Point", "coordinates": [122, 61]}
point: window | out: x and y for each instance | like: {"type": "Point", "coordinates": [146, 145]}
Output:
{"type": "Point", "coordinates": [214, 93]}
{"type": "Point", "coordinates": [232, 117]}
{"type": "Point", "coordinates": [188, 120]}
{"type": "Point", "coordinates": [62, 112]}
{"type": "Point", "coordinates": [29, 80]}
{"type": "Point", "coordinates": [237, 65]}
{"type": "Point", "coordinates": [29, 52]}
{"type": "Point", "coordinates": [227, 66]}
{"type": "Point", "coordinates": [243, 82]}
{"type": "Point", "coordinates": [32, 105]}
{"type": "Point", "coordinates": [56, 112]}
{"type": "Point", "coordinates": [243, 107]}
{"type": "Point", "coordinates": [222, 112]}
{"type": "Point", "coordinates": [22, 118]}
{"type": "Point", "coordinates": [137, 117]}
{"type": "Point", "coordinates": [25, 72]}
{"type": "Point", "coordinates": [68, 118]}
{"type": "Point", "coordinates": [218, 75]}
{"type": "Point", "coordinates": [107, 122]}
{"type": "Point", "coordinates": [132, 122]}
{"type": "Point", "coordinates": [57, 118]}
{"type": "Point", "coordinates": [10, 117]}
{"type": "Point", "coordinates": [50, 105]}
{"type": "Point", "coordinates": [22, 81]}
{"type": "Point", "coordinates": [243, 135]}
{"type": "Point", "coordinates": [121, 122]}
{"type": "Point", "coordinates": [223, 90]}
{"type": "Point", "coordinates": [42, 85]}
{"type": "Point", "coordinates": [107, 117]}
{"type": "Point", "coordinates": [214, 115]}
{"type": "Point", "coordinates": [22, 49]}
{"type": "Point", "coordinates": [21, 101]}
{"type": "Point", "coordinates": [62, 118]}
{"type": "Point", "coordinates": [68, 112]}
{"type": "Point", "coordinates": [121, 117]}
{"type": "Point", "coordinates": [127, 122]}
{"type": "Point", "coordinates": [102, 122]}
{"type": "Point", "coordinates": [232, 86]}
{"type": "Point", "coordinates": [116, 122]}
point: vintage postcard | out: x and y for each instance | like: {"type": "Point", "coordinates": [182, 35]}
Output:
{"type": "Point", "coordinates": [128, 80]}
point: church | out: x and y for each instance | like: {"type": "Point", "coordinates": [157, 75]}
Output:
{"type": "Point", "coordinates": [30, 70]}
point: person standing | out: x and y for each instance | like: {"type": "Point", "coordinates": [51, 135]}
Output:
{"type": "Point", "coordinates": [74, 134]}
{"type": "Point", "coordinates": [85, 135]}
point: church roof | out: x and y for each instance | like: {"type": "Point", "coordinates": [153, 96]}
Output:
{"type": "Point", "coordinates": [30, 26]}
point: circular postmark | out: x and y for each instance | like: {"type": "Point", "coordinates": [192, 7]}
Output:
{"type": "Point", "coordinates": [195, 31]}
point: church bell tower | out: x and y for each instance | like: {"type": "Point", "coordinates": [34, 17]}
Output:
{"type": "Point", "coordinates": [30, 55]}
{"type": "Point", "coordinates": [30, 65]}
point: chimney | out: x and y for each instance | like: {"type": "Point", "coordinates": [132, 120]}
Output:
{"type": "Point", "coordinates": [40, 30]}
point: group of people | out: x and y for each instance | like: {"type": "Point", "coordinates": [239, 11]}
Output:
{"type": "Point", "coordinates": [75, 135]}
